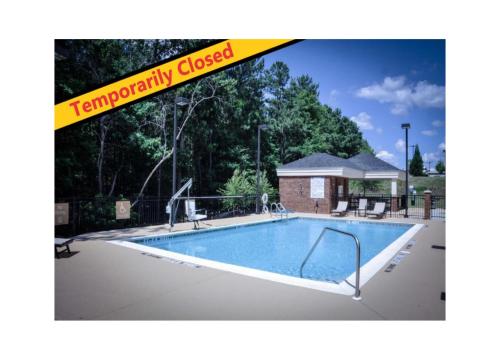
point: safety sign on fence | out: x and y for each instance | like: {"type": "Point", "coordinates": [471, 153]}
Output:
{"type": "Point", "coordinates": [61, 213]}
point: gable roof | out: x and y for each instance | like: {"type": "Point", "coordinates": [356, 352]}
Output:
{"type": "Point", "coordinates": [369, 162]}
{"type": "Point", "coordinates": [319, 161]}
{"type": "Point", "coordinates": [361, 166]}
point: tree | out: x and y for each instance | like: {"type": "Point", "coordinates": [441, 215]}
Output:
{"type": "Point", "coordinates": [244, 183]}
{"type": "Point", "coordinates": [417, 164]}
{"type": "Point", "coordinates": [199, 94]}
{"type": "Point", "coordinates": [440, 168]}
{"type": "Point", "coordinates": [372, 186]}
{"type": "Point", "coordinates": [122, 152]}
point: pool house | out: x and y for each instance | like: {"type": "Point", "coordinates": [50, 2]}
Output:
{"type": "Point", "coordinates": [315, 183]}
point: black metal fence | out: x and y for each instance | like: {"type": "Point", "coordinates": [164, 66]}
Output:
{"type": "Point", "coordinates": [97, 214]}
{"type": "Point", "coordinates": [438, 206]}
{"type": "Point", "coordinates": [395, 205]}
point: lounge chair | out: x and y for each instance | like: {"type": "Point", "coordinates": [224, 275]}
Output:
{"type": "Point", "coordinates": [362, 206]}
{"type": "Point", "coordinates": [378, 210]}
{"type": "Point", "coordinates": [341, 209]}
{"type": "Point", "coordinates": [61, 243]}
{"type": "Point", "coordinates": [192, 215]}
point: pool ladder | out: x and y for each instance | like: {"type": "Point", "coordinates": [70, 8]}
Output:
{"type": "Point", "coordinates": [279, 208]}
{"type": "Point", "coordinates": [357, 293]}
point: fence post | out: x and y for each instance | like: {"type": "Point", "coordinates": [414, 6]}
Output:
{"type": "Point", "coordinates": [427, 204]}
{"type": "Point", "coordinates": [394, 204]}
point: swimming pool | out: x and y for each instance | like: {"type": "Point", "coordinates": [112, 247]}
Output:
{"type": "Point", "coordinates": [275, 249]}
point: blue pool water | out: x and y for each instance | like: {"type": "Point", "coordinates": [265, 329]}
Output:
{"type": "Point", "coordinates": [281, 246]}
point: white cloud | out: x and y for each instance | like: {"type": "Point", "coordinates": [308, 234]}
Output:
{"type": "Point", "coordinates": [363, 120]}
{"type": "Point", "coordinates": [403, 96]}
{"type": "Point", "coordinates": [387, 156]}
{"type": "Point", "coordinates": [333, 95]}
{"type": "Point", "coordinates": [437, 123]}
{"type": "Point", "coordinates": [429, 132]}
{"type": "Point", "coordinates": [442, 146]}
{"type": "Point", "coordinates": [399, 109]}
{"type": "Point", "coordinates": [379, 130]}
{"type": "Point", "coordinates": [400, 145]}
{"type": "Point", "coordinates": [430, 157]}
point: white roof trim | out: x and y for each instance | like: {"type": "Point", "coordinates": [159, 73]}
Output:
{"type": "Point", "coordinates": [342, 172]}
{"type": "Point", "coordinates": [384, 175]}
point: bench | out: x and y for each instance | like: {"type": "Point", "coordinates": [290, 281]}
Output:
{"type": "Point", "coordinates": [62, 243]}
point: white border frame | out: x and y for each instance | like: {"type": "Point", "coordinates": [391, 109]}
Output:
{"type": "Point", "coordinates": [367, 271]}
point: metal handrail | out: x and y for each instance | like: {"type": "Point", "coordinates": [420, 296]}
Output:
{"type": "Point", "coordinates": [274, 205]}
{"type": "Point", "coordinates": [282, 210]}
{"type": "Point", "coordinates": [279, 208]}
{"type": "Point", "coordinates": [357, 293]}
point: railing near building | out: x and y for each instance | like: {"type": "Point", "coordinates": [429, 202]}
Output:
{"type": "Point", "coordinates": [395, 205]}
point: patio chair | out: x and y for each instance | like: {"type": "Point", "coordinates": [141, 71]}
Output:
{"type": "Point", "coordinates": [378, 210]}
{"type": "Point", "coordinates": [341, 209]}
{"type": "Point", "coordinates": [362, 207]}
{"type": "Point", "coordinates": [192, 215]}
{"type": "Point", "coordinates": [61, 243]}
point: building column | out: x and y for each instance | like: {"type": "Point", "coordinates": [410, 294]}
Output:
{"type": "Point", "coordinates": [394, 196]}
{"type": "Point", "coordinates": [346, 187]}
{"type": "Point", "coordinates": [427, 204]}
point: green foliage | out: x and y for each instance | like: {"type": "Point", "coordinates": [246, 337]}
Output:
{"type": "Point", "coordinates": [219, 139]}
{"type": "Point", "coordinates": [244, 183]}
{"type": "Point", "coordinates": [238, 184]}
{"type": "Point", "coordinates": [417, 164]}
{"type": "Point", "coordinates": [365, 186]}
{"type": "Point", "coordinates": [440, 168]}
{"type": "Point", "coordinates": [100, 213]}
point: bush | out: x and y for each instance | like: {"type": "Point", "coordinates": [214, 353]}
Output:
{"type": "Point", "coordinates": [244, 183]}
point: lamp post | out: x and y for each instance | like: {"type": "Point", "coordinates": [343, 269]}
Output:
{"type": "Point", "coordinates": [260, 127]}
{"type": "Point", "coordinates": [181, 102]}
{"type": "Point", "coordinates": [406, 126]}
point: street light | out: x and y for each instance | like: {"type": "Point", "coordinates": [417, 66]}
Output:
{"type": "Point", "coordinates": [406, 126]}
{"type": "Point", "coordinates": [260, 127]}
{"type": "Point", "coordinates": [181, 101]}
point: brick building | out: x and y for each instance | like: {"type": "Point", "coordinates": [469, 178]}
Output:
{"type": "Point", "coordinates": [314, 183]}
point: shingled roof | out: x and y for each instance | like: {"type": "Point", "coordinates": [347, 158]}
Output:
{"type": "Point", "coordinates": [369, 162]}
{"type": "Point", "coordinates": [363, 161]}
{"type": "Point", "coordinates": [320, 161]}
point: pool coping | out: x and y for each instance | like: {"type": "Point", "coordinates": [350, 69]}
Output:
{"type": "Point", "coordinates": [367, 271]}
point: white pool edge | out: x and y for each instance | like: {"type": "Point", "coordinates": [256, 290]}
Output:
{"type": "Point", "coordinates": [367, 271]}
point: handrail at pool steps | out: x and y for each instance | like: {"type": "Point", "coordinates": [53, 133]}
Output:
{"type": "Point", "coordinates": [279, 208]}
{"type": "Point", "coordinates": [357, 293]}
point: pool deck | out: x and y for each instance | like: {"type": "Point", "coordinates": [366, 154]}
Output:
{"type": "Point", "coordinates": [103, 281]}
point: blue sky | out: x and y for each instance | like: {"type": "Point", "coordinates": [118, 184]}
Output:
{"type": "Point", "coordinates": [379, 84]}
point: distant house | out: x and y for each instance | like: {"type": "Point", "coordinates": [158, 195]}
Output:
{"type": "Point", "coordinates": [435, 174]}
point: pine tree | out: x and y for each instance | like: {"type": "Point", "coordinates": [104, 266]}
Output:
{"type": "Point", "coordinates": [417, 164]}
{"type": "Point", "coordinates": [440, 168]}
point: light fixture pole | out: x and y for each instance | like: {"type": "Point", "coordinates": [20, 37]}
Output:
{"type": "Point", "coordinates": [181, 102]}
{"type": "Point", "coordinates": [260, 127]}
{"type": "Point", "coordinates": [406, 126]}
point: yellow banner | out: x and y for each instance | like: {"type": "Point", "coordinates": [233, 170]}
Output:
{"type": "Point", "coordinates": [159, 78]}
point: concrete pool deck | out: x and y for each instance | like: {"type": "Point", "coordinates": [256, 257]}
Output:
{"type": "Point", "coordinates": [102, 281]}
